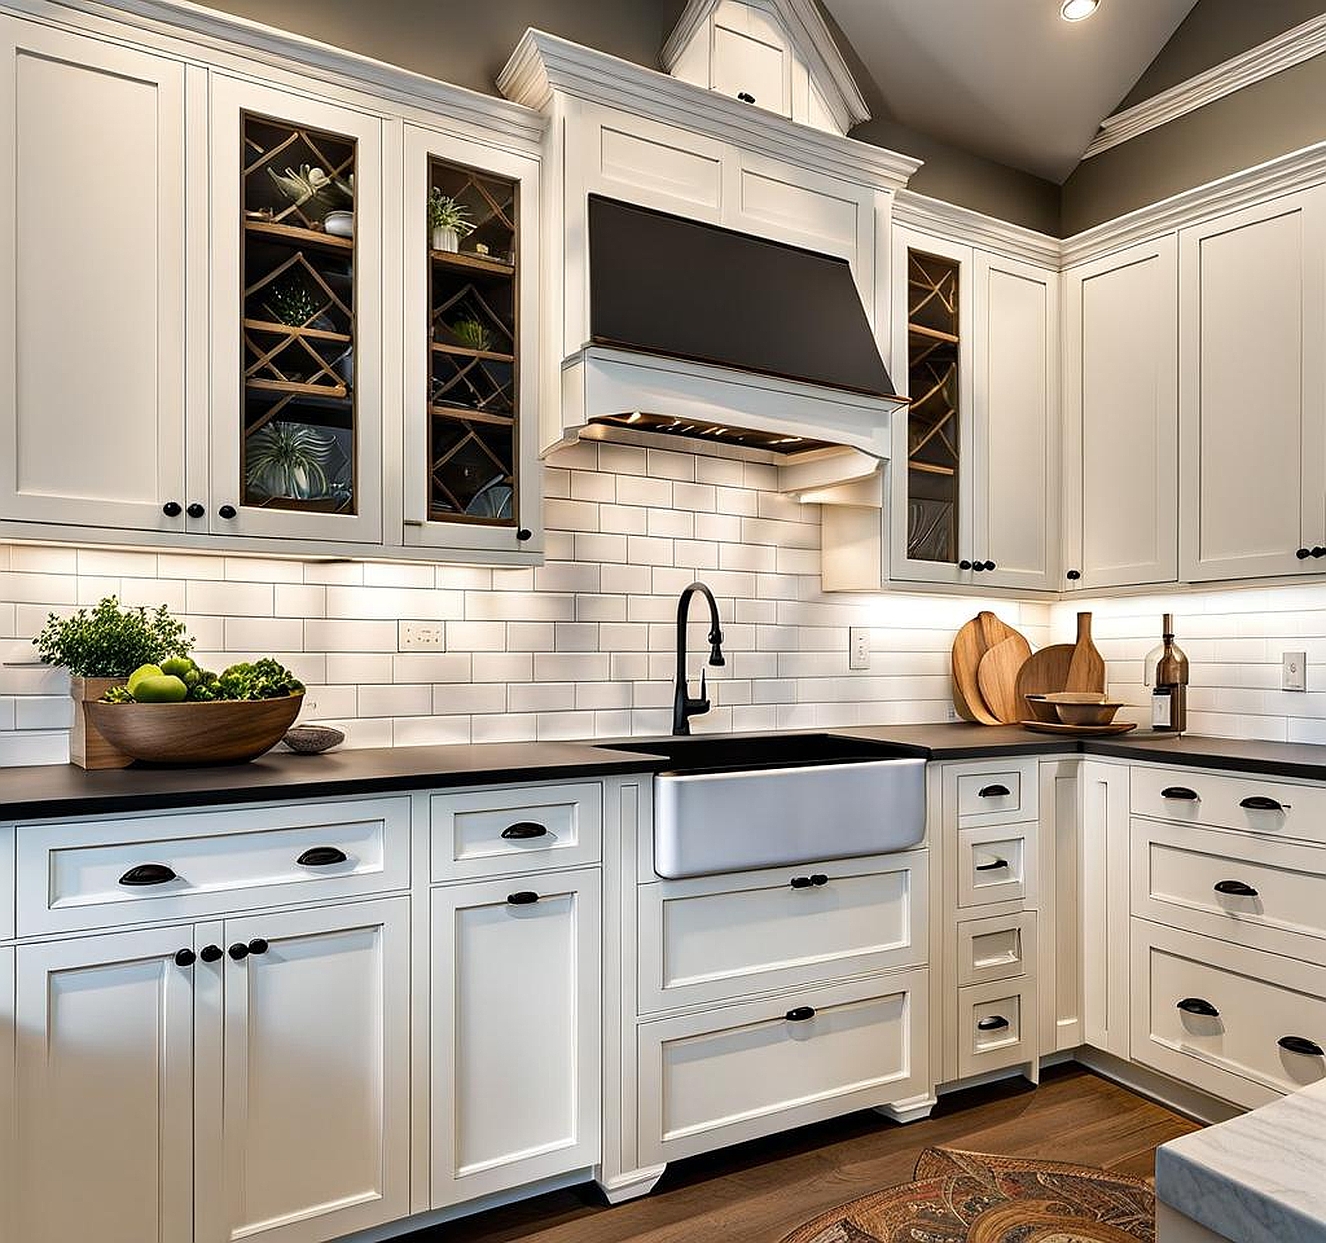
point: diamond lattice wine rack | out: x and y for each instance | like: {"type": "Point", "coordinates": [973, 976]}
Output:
{"type": "Point", "coordinates": [298, 334]}
{"type": "Point", "coordinates": [473, 335]}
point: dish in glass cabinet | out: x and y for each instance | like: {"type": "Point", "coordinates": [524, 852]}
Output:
{"type": "Point", "coordinates": [492, 501]}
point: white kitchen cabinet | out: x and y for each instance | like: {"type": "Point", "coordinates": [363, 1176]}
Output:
{"type": "Point", "coordinates": [1121, 418]}
{"type": "Point", "coordinates": [515, 1032]}
{"type": "Point", "coordinates": [8, 1112]}
{"type": "Point", "coordinates": [1252, 389]}
{"type": "Point", "coordinates": [104, 1086]}
{"type": "Point", "coordinates": [267, 379]}
{"type": "Point", "coordinates": [1105, 906]}
{"type": "Point", "coordinates": [92, 325]}
{"type": "Point", "coordinates": [311, 1141]}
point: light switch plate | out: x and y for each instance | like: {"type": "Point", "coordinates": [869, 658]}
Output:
{"type": "Point", "coordinates": [421, 636]}
{"type": "Point", "coordinates": [1294, 671]}
{"type": "Point", "coordinates": [858, 647]}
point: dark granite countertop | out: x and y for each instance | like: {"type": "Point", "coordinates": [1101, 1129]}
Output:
{"type": "Point", "coordinates": [63, 790]}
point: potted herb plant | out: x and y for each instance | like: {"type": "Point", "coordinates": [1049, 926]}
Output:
{"type": "Point", "coordinates": [448, 221]}
{"type": "Point", "coordinates": [100, 648]}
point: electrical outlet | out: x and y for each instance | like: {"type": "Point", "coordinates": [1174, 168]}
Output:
{"type": "Point", "coordinates": [952, 714]}
{"type": "Point", "coordinates": [421, 636]}
{"type": "Point", "coordinates": [1294, 671]}
{"type": "Point", "coordinates": [858, 647]}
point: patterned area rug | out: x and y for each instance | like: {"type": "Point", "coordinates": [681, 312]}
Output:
{"type": "Point", "coordinates": [968, 1197]}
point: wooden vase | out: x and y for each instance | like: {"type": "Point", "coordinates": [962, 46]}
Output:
{"type": "Point", "coordinates": [87, 747]}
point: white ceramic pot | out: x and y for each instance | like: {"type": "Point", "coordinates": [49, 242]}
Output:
{"type": "Point", "coordinates": [340, 223]}
{"type": "Point", "coordinates": [446, 239]}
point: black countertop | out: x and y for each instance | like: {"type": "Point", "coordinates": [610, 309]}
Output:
{"type": "Point", "coordinates": [63, 790]}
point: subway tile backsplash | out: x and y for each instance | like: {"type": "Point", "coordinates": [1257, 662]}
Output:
{"type": "Point", "coordinates": [579, 647]}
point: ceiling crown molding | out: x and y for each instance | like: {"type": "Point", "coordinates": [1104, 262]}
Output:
{"type": "Point", "coordinates": [1258, 63]}
{"type": "Point", "coordinates": [973, 228]}
{"type": "Point", "coordinates": [543, 65]}
{"type": "Point", "coordinates": [809, 32]}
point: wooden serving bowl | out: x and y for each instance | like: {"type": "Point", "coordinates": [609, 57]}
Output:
{"type": "Point", "coordinates": [221, 732]}
{"type": "Point", "coordinates": [1042, 709]}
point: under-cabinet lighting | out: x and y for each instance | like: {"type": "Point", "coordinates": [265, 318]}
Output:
{"type": "Point", "coordinates": [1076, 10]}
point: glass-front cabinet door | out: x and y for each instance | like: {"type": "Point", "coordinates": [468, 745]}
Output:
{"type": "Point", "coordinates": [296, 317]}
{"type": "Point", "coordinates": [470, 448]}
{"type": "Point", "coordinates": [932, 349]}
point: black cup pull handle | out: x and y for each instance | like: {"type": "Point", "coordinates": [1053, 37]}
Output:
{"type": "Point", "coordinates": [994, 791]}
{"type": "Point", "coordinates": [800, 1014]}
{"type": "Point", "coordinates": [996, 1022]}
{"type": "Point", "coordinates": [525, 831]}
{"type": "Point", "coordinates": [210, 953]}
{"type": "Point", "coordinates": [1259, 802]}
{"type": "Point", "coordinates": [1198, 1005]}
{"type": "Point", "coordinates": [1301, 1044]}
{"type": "Point", "coordinates": [321, 857]}
{"type": "Point", "coordinates": [1235, 888]}
{"type": "Point", "coordinates": [992, 867]}
{"type": "Point", "coordinates": [148, 874]}
{"type": "Point", "coordinates": [1182, 793]}
{"type": "Point", "coordinates": [185, 958]}
{"type": "Point", "coordinates": [526, 897]}
{"type": "Point", "coordinates": [239, 951]}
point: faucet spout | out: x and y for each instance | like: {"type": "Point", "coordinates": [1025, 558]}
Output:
{"type": "Point", "coordinates": [683, 706]}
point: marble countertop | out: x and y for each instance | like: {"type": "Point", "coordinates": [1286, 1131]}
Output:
{"type": "Point", "coordinates": [1258, 1178]}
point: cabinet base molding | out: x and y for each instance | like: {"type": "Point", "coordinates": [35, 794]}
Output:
{"type": "Point", "coordinates": [914, 1109]}
{"type": "Point", "coordinates": [1166, 1091]}
{"type": "Point", "coordinates": [631, 1185]}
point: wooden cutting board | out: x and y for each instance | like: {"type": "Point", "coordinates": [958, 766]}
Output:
{"type": "Point", "coordinates": [1045, 673]}
{"type": "Point", "coordinates": [997, 677]}
{"type": "Point", "coordinates": [976, 638]}
{"type": "Point", "coordinates": [1086, 671]}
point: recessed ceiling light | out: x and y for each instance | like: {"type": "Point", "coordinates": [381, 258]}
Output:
{"type": "Point", "coordinates": [1076, 10]}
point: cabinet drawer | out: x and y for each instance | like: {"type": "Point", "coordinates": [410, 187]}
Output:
{"type": "Point", "coordinates": [721, 937]}
{"type": "Point", "coordinates": [1255, 804]}
{"type": "Point", "coordinates": [996, 1025]}
{"type": "Point", "coordinates": [997, 794]}
{"type": "Point", "coordinates": [516, 829]}
{"type": "Point", "coordinates": [1000, 948]}
{"type": "Point", "coordinates": [1250, 1025]}
{"type": "Point", "coordinates": [94, 874]}
{"type": "Point", "coordinates": [722, 1076]}
{"type": "Point", "coordinates": [996, 864]}
{"type": "Point", "coordinates": [1266, 894]}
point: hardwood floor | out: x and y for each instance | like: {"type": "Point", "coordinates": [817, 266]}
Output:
{"type": "Point", "coordinates": [757, 1192]}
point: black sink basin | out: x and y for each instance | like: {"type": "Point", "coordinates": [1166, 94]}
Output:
{"type": "Point", "coordinates": [725, 753]}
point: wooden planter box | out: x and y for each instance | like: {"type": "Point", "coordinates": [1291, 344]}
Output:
{"type": "Point", "coordinates": [87, 748]}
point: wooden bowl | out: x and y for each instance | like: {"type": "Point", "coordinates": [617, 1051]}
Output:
{"type": "Point", "coordinates": [1075, 697]}
{"type": "Point", "coordinates": [1042, 709]}
{"type": "Point", "coordinates": [225, 732]}
{"type": "Point", "coordinates": [1096, 712]}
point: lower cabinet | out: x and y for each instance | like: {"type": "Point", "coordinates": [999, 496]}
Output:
{"type": "Point", "coordinates": [515, 1032]}
{"type": "Point", "coordinates": [217, 1081]}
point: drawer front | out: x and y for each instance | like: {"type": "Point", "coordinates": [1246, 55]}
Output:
{"type": "Point", "coordinates": [1000, 948]}
{"type": "Point", "coordinates": [996, 864]}
{"type": "Point", "coordinates": [996, 1026]}
{"type": "Point", "coordinates": [96, 874]}
{"type": "Point", "coordinates": [1268, 1025]}
{"type": "Point", "coordinates": [1266, 894]}
{"type": "Point", "coordinates": [731, 1074]}
{"type": "Point", "coordinates": [516, 829]}
{"type": "Point", "coordinates": [1254, 804]}
{"type": "Point", "coordinates": [719, 938]}
{"type": "Point", "coordinates": [996, 793]}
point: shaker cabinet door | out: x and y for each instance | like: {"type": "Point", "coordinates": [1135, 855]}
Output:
{"type": "Point", "coordinates": [92, 224]}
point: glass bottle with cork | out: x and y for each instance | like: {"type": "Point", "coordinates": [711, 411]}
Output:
{"type": "Point", "coordinates": [1167, 675]}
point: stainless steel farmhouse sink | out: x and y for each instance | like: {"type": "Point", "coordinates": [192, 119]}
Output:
{"type": "Point", "coordinates": [735, 804]}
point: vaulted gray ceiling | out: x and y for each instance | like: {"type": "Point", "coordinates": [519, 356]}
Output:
{"type": "Point", "coordinates": [1007, 79]}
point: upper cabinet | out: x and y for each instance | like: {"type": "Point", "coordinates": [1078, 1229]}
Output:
{"type": "Point", "coordinates": [975, 478]}
{"type": "Point", "coordinates": [1121, 419]}
{"type": "Point", "coordinates": [1252, 389]}
{"type": "Point", "coordinates": [92, 327]}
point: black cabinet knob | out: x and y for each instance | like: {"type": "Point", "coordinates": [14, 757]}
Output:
{"type": "Point", "coordinates": [524, 831]}
{"type": "Point", "coordinates": [1073, 575]}
{"type": "Point", "coordinates": [1319, 551]}
{"type": "Point", "coordinates": [239, 951]}
{"type": "Point", "coordinates": [321, 857]}
{"type": "Point", "coordinates": [1300, 1044]}
{"type": "Point", "coordinates": [967, 565]}
{"type": "Point", "coordinates": [800, 1014]}
{"type": "Point", "coordinates": [185, 958]}
{"type": "Point", "coordinates": [1235, 888]}
{"type": "Point", "coordinates": [210, 953]}
{"type": "Point", "coordinates": [525, 897]}
{"type": "Point", "coordinates": [993, 1023]}
{"type": "Point", "coordinates": [227, 512]}
{"type": "Point", "coordinates": [978, 566]}
{"type": "Point", "coordinates": [195, 510]}
{"type": "Point", "coordinates": [801, 882]}
{"type": "Point", "coordinates": [990, 565]}
{"type": "Point", "coordinates": [524, 533]}
{"type": "Point", "coordinates": [147, 874]}
{"type": "Point", "coordinates": [1198, 1005]}
{"type": "Point", "coordinates": [258, 946]}
{"type": "Point", "coordinates": [1303, 554]}
{"type": "Point", "coordinates": [818, 878]}
{"type": "Point", "coordinates": [746, 97]}
{"type": "Point", "coordinates": [172, 509]}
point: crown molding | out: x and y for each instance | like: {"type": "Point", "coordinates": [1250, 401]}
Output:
{"type": "Point", "coordinates": [544, 65]}
{"type": "Point", "coordinates": [1255, 65]}
{"type": "Point", "coordinates": [968, 227]}
{"type": "Point", "coordinates": [1285, 174]}
{"type": "Point", "coordinates": [813, 40]}
{"type": "Point", "coordinates": [213, 31]}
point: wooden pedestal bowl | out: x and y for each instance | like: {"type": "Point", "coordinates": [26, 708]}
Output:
{"type": "Point", "coordinates": [225, 732]}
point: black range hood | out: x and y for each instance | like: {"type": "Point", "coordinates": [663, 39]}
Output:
{"type": "Point", "coordinates": [683, 289]}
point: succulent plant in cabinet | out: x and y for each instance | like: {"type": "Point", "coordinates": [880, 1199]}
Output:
{"type": "Point", "coordinates": [288, 460]}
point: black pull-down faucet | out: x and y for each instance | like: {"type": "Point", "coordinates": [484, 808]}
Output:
{"type": "Point", "coordinates": [683, 706]}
